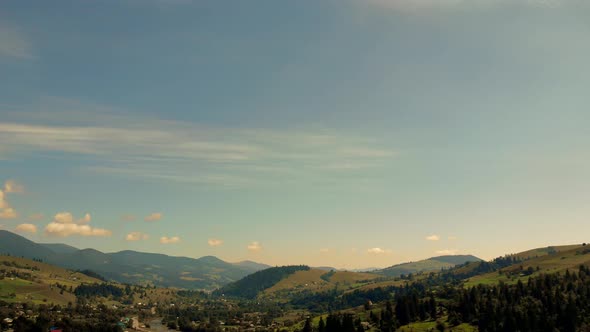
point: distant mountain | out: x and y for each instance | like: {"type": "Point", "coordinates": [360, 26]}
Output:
{"type": "Point", "coordinates": [252, 265]}
{"type": "Point", "coordinates": [427, 265]}
{"type": "Point", "coordinates": [60, 248]}
{"type": "Point", "coordinates": [325, 268]}
{"type": "Point", "coordinates": [134, 267]}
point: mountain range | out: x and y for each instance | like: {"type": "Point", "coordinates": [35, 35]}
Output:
{"type": "Point", "coordinates": [133, 267]}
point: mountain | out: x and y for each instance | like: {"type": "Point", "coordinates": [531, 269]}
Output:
{"type": "Point", "coordinates": [427, 265]}
{"type": "Point", "coordinates": [252, 265]}
{"type": "Point", "coordinates": [16, 245]}
{"type": "Point", "coordinates": [60, 248]}
{"type": "Point", "coordinates": [133, 267]}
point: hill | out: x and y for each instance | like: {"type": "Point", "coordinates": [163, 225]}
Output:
{"type": "Point", "coordinates": [133, 267]}
{"type": "Point", "coordinates": [60, 248]}
{"type": "Point", "coordinates": [25, 280]}
{"type": "Point", "coordinates": [556, 259]}
{"type": "Point", "coordinates": [427, 265]}
{"type": "Point", "coordinates": [250, 286]}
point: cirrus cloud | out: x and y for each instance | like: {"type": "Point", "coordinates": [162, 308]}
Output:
{"type": "Point", "coordinates": [26, 228]}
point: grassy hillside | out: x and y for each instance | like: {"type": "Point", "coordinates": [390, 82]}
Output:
{"type": "Point", "coordinates": [25, 280]}
{"type": "Point", "coordinates": [316, 281]}
{"type": "Point", "coordinates": [559, 259]}
{"type": "Point", "coordinates": [426, 265]}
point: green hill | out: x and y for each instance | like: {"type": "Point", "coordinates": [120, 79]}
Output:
{"type": "Point", "coordinates": [557, 259]}
{"type": "Point", "coordinates": [427, 265]}
{"type": "Point", "coordinates": [250, 286]}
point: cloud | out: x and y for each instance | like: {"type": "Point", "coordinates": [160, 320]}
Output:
{"type": "Point", "coordinates": [154, 216]}
{"type": "Point", "coordinates": [27, 228]}
{"type": "Point", "coordinates": [324, 250]}
{"type": "Point", "coordinates": [63, 218]}
{"type": "Point", "coordinates": [6, 210]}
{"type": "Point", "coordinates": [8, 213]}
{"type": "Point", "coordinates": [118, 144]}
{"type": "Point", "coordinates": [136, 236]}
{"type": "Point", "coordinates": [128, 217]}
{"type": "Point", "coordinates": [214, 242]}
{"type": "Point", "coordinates": [169, 240]}
{"type": "Point", "coordinates": [11, 186]}
{"type": "Point", "coordinates": [14, 43]}
{"type": "Point", "coordinates": [446, 252]}
{"type": "Point", "coordinates": [86, 219]}
{"type": "Point", "coordinates": [255, 246]}
{"type": "Point", "coordinates": [63, 225]}
{"type": "Point", "coordinates": [65, 230]}
{"type": "Point", "coordinates": [378, 251]}
{"type": "Point", "coordinates": [433, 237]}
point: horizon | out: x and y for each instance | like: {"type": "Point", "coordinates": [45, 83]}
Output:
{"type": "Point", "coordinates": [351, 133]}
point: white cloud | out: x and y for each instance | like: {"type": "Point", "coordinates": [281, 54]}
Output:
{"type": "Point", "coordinates": [63, 225]}
{"type": "Point", "coordinates": [214, 242]}
{"type": "Point", "coordinates": [8, 213]}
{"type": "Point", "coordinates": [154, 216]}
{"type": "Point", "coordinates": [27, 228]}
{"type": "Point", "coordinates": [6, 210]}
{"type": "Point", "coordinates": [378, 251]}
{"type": "Point", "coordinates": [63, 218]}
{"type": "Point", "coordinates": [169, 240]}
{"type": "Point", "coordinates": [433, 237]}
{"type": "Point", "coordinates": [12, 186]}
{"type": "Point", "coordinates": [86, 219]}
{"type": "Point", "coordinates": [136, 236]}
{"type": "Point", "coordinates": [64, 230]}
{"type": "Point", "coordinates": [14, 43]}
{"type": "Point", "coordinates": [255, 246]}
{"type": "Point", "coordinates": [446, 252]}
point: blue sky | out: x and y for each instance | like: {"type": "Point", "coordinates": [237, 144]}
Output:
{"type": "Point", "coordinates": [348, 133]}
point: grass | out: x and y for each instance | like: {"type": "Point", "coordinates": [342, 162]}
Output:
{"type": "Point", "coordinates": [565, 258]}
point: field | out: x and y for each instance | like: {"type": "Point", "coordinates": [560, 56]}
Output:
{"type": "Point", "coordinates": [565, 258]}
{"type": "Point", "coordinates": [316, 280]}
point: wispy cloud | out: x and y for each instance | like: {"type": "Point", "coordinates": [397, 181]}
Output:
{"type": "Point", "coordinates": [154, 216]}
{"type": "Point", "coordinates": [169, 240]}
{"type": "Point", "coordinates": [433, 237]}
{"type": "Point", "coordinates": [14, 43]}
{"type": "Point", "coordinates": [64, 225]}
{"type": "Point", "coordinates": [26, 228]}
{"type": "Point", "coordinates": [254, 247]}
{"type": "Point", "coordinates": [214, 242]}
{"type": "Point", "coordinates": [169, 151]}
{"type": "Point", "coordinates": [446, 252]}
{"type": "Point", "coordinates": [136, 236]}
{"type": "Point", "coordinates": [379, 251]}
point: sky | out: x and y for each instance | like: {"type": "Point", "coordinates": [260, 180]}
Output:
{"type": "Point", "coordinates": [344, 133]}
